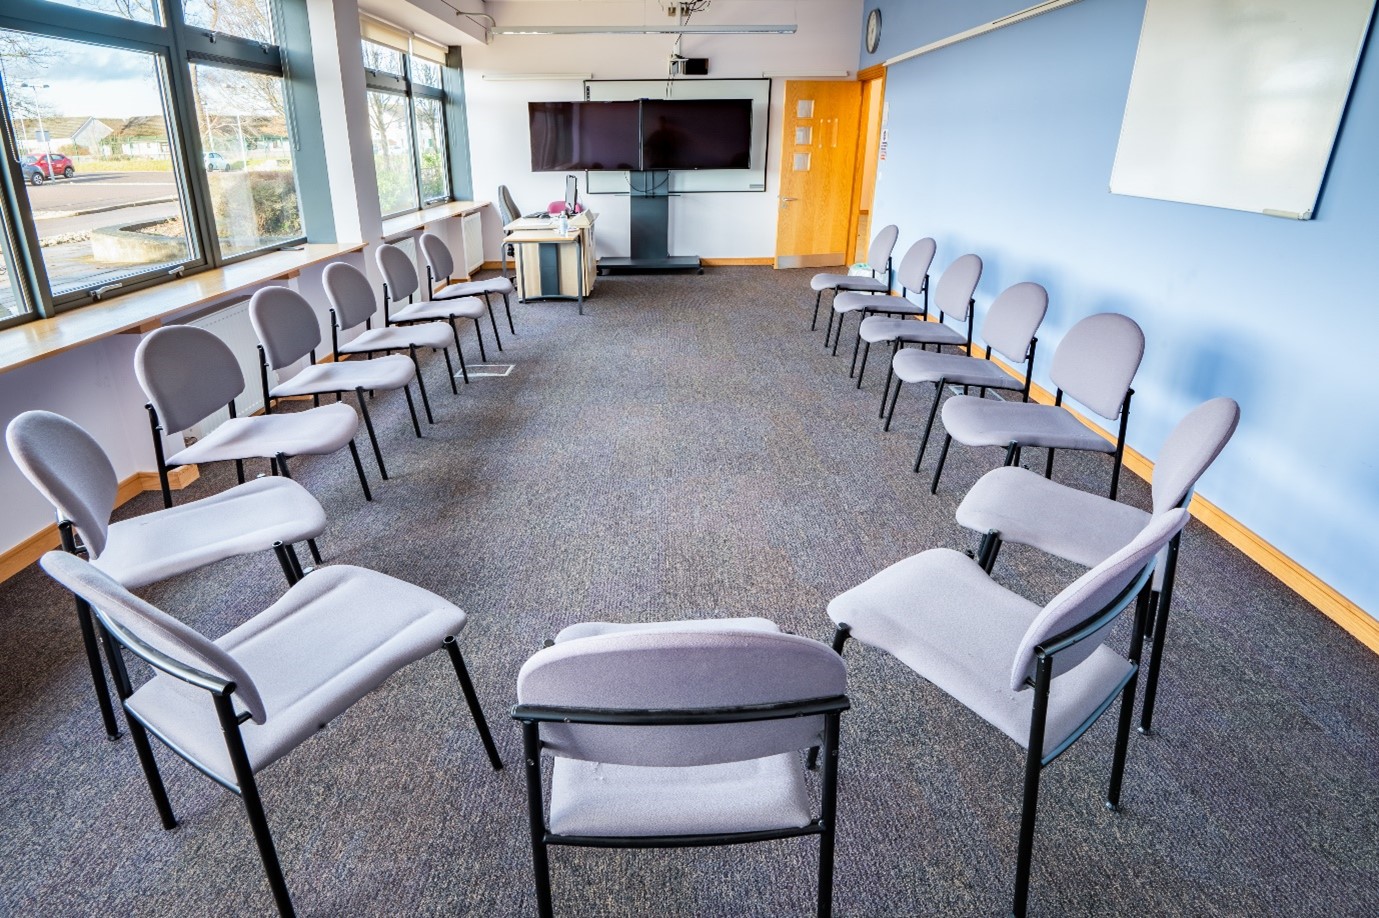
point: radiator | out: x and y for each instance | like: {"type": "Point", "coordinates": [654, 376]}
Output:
{"type": "Point", "coordinates": [471, 227]}
{"type": "Point", "coordinates": [230, 323]}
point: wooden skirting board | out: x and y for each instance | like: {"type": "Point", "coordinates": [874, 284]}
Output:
{"type": "Point", "coordinates": [46, 539]}
{"type": "Point", "coordinates": [1355, 620]}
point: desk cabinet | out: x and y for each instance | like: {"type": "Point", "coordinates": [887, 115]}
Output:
{"type": "Point", "coordinates": [550, 269]}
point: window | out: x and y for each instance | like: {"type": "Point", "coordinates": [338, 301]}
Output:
{"type": "Point", "coordinates": [406, 117]}
{"type": "Point", "coordinates": [147, 147]}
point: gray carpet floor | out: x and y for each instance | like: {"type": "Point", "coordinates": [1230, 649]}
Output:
{"type": "Point", "coordinates": [687, 449]}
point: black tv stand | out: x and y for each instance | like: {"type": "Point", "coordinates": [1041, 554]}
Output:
{"type": "Point", "coordinates": [649, 230]}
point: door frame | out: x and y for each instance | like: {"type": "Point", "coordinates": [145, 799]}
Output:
{"type": "Point", "coordinates": [871, 115]}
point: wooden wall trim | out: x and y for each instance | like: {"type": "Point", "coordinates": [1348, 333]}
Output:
{"type": "Point", "coordinates": [729, 262]}
{"type": "Point", "coordinates": [46, 539]}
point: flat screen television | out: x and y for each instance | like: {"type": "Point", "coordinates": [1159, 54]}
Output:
{"type": "Point", "coordinates": [574, 136]}
{"type": "Point", "coordinates": [641, 135]}
{"type": "Point", "coordinates": [697, 134]}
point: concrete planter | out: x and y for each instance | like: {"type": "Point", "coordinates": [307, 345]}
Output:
{"type": "Point", "coordinates": [123, 245]}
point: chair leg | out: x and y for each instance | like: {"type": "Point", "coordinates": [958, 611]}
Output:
{"type": "Point", "coordinates": [93, 659]}
{"type": "Point", "coordinates": [412, 409]}
{"type": "Point", "coordinates": [421, 385]}
{"type": "Point", "coordinates": [493, 320]}
{"type": "Point", "coordinates": [890, 412]}
{"type": "Point", "coordinates": [988, 549]}
{"type": "Point", "coordinates": [1034, 765]}
{"type": "Point", "coordinates": [531, 756]}
{"type": "Point", "coordinates": [359, 468]}
{"type": "Point", "coordinates": [120, 675]}
{"type": "Point", "coordinates": [929, 425]}
{"type": "Point", "coordinates": [289, 571]}
{"type": "Point", "coordinates": [315, 552]}
{"type": "Point", "coordinates": [838, 335]}
{"type": "Point", "coordinates": [828, 329]}
{"type": "Point", "coordinates": [828, 816]}
{"type": "Point", "coordinates": [942, 457]}
{"type": "Point", "coordinates": [840, 637]}
{"type": "Point", "coordinates": [239, 472]}
{"type": "Point", "coordinates": [866, 349]}
{"type": "Point", "coordinates": [814, 322]}
{"type": "Point", "coordinates": [459, 352]}
{"type": "Point", "coordinates": [856, 346]}
{"type": "Point", "coordinates": [507, 307]}
{"type": "Point", "coordinates": [886, 389]}
{"type": "Point", "coordinates": [1159, 604]}
{"type": "Point", "coordinates": [166, 487]}
{"type": "Point", "coordinates": [466, 686]}
{"type": "Point", "coordinates": [373, 438]}
{"type": "Point", "coordinates": [1048, 464]}
{"type": "Point", "coordinates": [479, 334]}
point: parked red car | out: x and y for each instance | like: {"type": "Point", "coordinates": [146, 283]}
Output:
{"type": "Point", "coordinates": [46, 166]}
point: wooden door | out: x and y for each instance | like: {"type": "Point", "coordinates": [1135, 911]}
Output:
{"type": "Point", "coordinates": [817, 172]}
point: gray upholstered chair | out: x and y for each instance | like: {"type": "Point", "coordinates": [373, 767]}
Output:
{"type": "Point", "coordinates": [70, 469]}
{"type": "Point", "coordinates": [1009, 330]}
{"type": "Point", "coordinates": [1016, 505]}
{"type": "Point", "coordinates": [440, 265]}
{"type": "Point", "coordinates": [400, 282]}
{"type": "Point", "coordinates": [1040, 676]}
{"type": "Point", "coordinates": [509, 213]}
{"type": "Point", "coordinates": [952, 299]}
{"type": "Point", "coordinates": [680, 734]}
{"type": "Point", "coordinates": [913, 275]}
{"type": "Point", "coordinates": [188, 373]}
{"type": "Point", "coordinates": [1094, 364]}
{"type": "Point", "coordinates": [233, 706]}
{"type": "Point", "coordinates": [352, 304]}
{"type": "Point", "coordinates": [289, 331]}
{"type": "Point", "coordinates": [878, 260]}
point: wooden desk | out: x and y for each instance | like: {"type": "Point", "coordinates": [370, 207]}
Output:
{"type": "Point", "coordinates": [552, 265]}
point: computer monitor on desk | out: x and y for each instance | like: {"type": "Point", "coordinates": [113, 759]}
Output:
{"type": "Point", "coordinates": [571, 194]}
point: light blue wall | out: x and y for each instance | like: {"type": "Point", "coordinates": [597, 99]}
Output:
{"type": "Point", "coordinates": [1003, 145]}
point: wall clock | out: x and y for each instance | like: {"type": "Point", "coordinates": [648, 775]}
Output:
{"type": "Point", "coordinates": [873, 30]}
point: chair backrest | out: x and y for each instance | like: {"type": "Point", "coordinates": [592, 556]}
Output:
{"type": "Point", "coordinates": [1093, 593]}
{"type": "Point", "coordinates": [285, 324]}
{"type": "Point", "coordinates": [350, 292]}
{"type": "Point", "coordinates": [437, 255]}
{"type": "Point", "coordinates": [187, 373]}
{"type": "Point", "coordinates": [67, 466]}
{"type": "Point", "coordinates": [683, 670]}
{"type": "Point", "coordinates": [953, 294]}
{"type": "Point", "coordinates": [1190, 450]}
{"type": "Point", "coordinates": [882, 244]}
{"type": "Point", "coordinates": [507, 207]}
{"type": "Point", "coordinates": [398, 271]}
{"type": "Point", "coordinates": [1014, 317]}
{"type": "Point", "coordinates": [152, 627]}
{"type": "Point", "coordinates": [914, 266]}
{"type": "Point", "coordinates": [1097, 360]}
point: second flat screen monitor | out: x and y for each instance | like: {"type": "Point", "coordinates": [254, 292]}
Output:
{"type": "Point", "coordinates": [584, 135]}
{"type": "Point", "coordinates": [696, 134]}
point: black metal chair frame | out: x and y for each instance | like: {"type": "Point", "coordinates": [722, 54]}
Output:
{"type": "Point", "coordinates": [1013, 449]}
{"type": "Point", "coordinates": [878, 311]}
{"type": "Point", "coordinates": [818, 297]}
{"type": "Point", "coordinates": [277, 464]}
{"type": "Point", "coordinates": [507, 306]}
{"type": "Point", "coordinates": [1046, 654]}
{"type": "Point", "coordinates": [939, 385]}
{"type": "Point", "coordinates": [1156, 617]}
{"type": "Point", "coordinates": [923, 346]}
{"type": "Point", "coordinates": [454, 330]}
{"type": "Point", "coordinates": [416, 362]}
{"type": "Point", "coordinates": [532, 716]}
{"type": "Point", "coordinates": [245, 786]}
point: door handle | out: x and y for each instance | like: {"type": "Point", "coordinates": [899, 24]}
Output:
{"type": "Point", "coordinates": [784, 198]}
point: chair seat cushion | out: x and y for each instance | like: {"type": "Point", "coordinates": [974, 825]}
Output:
{"type": "Point", "coordinates": [314, 432]}
{"type": "Point", "coordinates": [329, 641]}
{"type": "Point", "coordinates": [247, 518]}
{"type": "Point", "coordinates": [397, 337]}
{"type": "Point", "coordinates": [941, 615]}
{"type": "Point", "coordinates": [988, 422]}
{"type": "Point", "coordinates": [854, 300]}
{"type": "Point", "coordinates": [912, 365]}
{"type": "Point", "coordinates": [847, 282]}
{"type": "Point", "coordinates": [594, 629]}
{"type": "Point", "coordinates": [390, 372]}
{"type": "Point", "coordinates": [1029, 509]}
{"type": "Point", "coordinates": [463, 308]}
{"type": "Point", "coordinates": [499, 285]}
{"type": "Point", "coordinates": [881, 328]}
{"type": "Point", "coordinates": [591, 798]}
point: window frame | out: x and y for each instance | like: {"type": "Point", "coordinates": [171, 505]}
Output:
{"type": "Point", "coordinates": [175, 46]}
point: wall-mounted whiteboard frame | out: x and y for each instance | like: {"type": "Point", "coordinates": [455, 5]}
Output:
{"type": "Point", "coordinates": [685, 181]}
{"type": "Point", "coordinates": [1237, 104]}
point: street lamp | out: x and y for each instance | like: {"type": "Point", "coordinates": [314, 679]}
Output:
{"type": "Point", "coordinates": [38, 112]}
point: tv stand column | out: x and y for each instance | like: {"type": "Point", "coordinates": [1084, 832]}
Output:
{"type": "Point", "coordinates": [649, 230]}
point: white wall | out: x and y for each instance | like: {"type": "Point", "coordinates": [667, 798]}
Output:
{"type": "Point", "coordinates": [741, 225]}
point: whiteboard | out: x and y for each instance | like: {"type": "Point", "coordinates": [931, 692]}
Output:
{"type": "Point", "coordinates": [1236, 103]}
{"type": "Point", "coordinates": [689, 180]}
